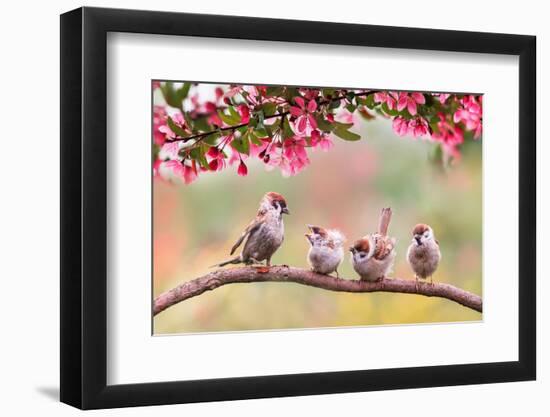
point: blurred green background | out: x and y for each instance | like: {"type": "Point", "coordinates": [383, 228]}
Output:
{"type": "Point", "coordinates": [196, 225]}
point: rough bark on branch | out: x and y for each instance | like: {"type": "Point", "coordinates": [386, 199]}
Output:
{"type": "Point", "coordinates": [250, 274]}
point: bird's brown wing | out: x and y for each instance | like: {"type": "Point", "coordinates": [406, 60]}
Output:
{"type": "Point", "coordinates": [254, 224]}
{"type": "Point", "coordinates": [384, 246]}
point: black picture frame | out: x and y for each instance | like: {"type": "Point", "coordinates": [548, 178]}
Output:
{"type": "Point", "coordinates": [84, 207]}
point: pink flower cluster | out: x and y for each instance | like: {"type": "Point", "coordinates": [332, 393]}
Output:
{"type": "Point", "coordinates": [469, 113]}
{"type": "Point", "coordinates": [400, 101]}
{"type": "Point", "coordinates": [450, 129]}
{"type": "Point", "coordinates": [280, 125]}
{"type": "Point", "coordinates": [416, 127]}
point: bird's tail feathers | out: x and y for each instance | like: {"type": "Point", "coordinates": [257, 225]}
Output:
{"type": "Point", "coordinates": [384, 221]}
{"type": "Point", "coordinates": [235, 260]}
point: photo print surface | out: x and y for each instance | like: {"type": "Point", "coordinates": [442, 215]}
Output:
{"type": "Point", "coordinates": [288, 207]}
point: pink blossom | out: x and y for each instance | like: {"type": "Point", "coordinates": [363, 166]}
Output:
{"type": "Point", "coordinates": [390, 98]}
{"type": "Point", "coordinates": [345, 116]}
{"type": "Point", "coordinates": [244, 112]}
{"type": "Point", "coordinates": [258, 150]}
{"type": "Point", "coordinates": [294, 156]}
{"type": "Point", "coordinates": [195, 102]}
{"type": "Point", "coordinates": [155, 84]}
{"type": "Point", "coordinates": [219, 93]}
{"type": "Point", "coordinates": [170, 150]}
{"type": "Point", "coordinates": [443, 97]}
{"type": "Point", "coordinates": [321, 140]}
{"type": "Point", "coordinates": [242, 170]}
{"type": "Point", "coordinates": [216, 159]}
{"type": "Point", "coordinates": [186, 173]}
{"type": "Point", "coordinates": [178, 119]}
{"type": "Point", "coordinates": [159, 120]}
{"type": "Point", "coordinates": [309, 93]}
{"type": "Point", "coordinates": [235, 157]}
{"type": "Point", "coordinates": [233, 91]}
{"type": "Point", "coordinates": [210, 107]}
{"type": "Point", "coordinates": [255, 93]}
{"type": "Point", "coordinates": [418, 127]}
{"type": "Point", "coordinates": [470, 114]}
{"type": "Point", "coordinates": [400, 126]}
{"type": "Point", "coordinates": [305, 122]}
{"type": "Point", "coordinates": [415, 127]}
{"type": "Point", "coordinates": [156, 166]}
{"type": "Point", "coordinates": [410, 101]}
{"type": "Point", "coordinates": [449, 135]}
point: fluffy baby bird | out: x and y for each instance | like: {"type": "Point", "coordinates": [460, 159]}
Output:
{"type": "Point", "coordinates": [326, 251]}
{"type": "Point", "coordinates": [264, 235]}
{"type": "Point", "coordinates": [423, 254]}
{"type": "Point", "coordinates": [373, 255]}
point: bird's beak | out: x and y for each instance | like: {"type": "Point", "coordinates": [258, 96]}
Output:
{"type": "Point", "coordinates": [308, 237]}
{"type": "Point", "coordinates": [285, 210]}
{"type": "Point", "coordinates": [352, 249]}
{"type": "Point", "coordinates": [418, 241]}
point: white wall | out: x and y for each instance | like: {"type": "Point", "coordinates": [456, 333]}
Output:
{"type": "Point", "coordinates": [29, 264]}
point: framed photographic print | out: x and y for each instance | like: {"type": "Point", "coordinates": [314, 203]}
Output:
{"type": "Point", "coordinates": [257, 208]}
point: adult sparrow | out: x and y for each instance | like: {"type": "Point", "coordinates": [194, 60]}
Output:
{"type": "Point", "coordinates": [326, 251]}
{"type": "Point", "coordinates": [373, 255]}
{"type": "Point", "coordinates": [423, 254]}
{"type": "Point", "coordinates": [264, 235]}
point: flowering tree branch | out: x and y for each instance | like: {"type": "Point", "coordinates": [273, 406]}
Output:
{"type": "Point", "coordinates": [280, 124]}
{"type": "Point", "coordinates": [235, 127]}
{"type": "Point", "coordinates": [250, 274]}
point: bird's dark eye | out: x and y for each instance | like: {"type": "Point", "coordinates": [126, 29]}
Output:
{"type": "Point", "coordinates": [362, 255]}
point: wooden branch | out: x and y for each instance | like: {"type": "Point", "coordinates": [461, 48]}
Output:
{"type": "Point", "coordinates": [249, 274]}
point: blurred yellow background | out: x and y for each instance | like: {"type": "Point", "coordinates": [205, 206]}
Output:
{"type": "Point", "coordinates": [196, 225]}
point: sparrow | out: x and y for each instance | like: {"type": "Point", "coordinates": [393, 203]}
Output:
{"type": "Point", "coordinates": [326, 250]}
{"type": "Point", "coordinates": [423, 254]}
{"type": "Point", "coordinates": [264, 235]}
{"type": "Point", "coordinates": [373, 255]}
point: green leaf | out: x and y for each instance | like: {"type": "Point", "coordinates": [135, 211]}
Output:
{"type": "Point", "coordinates": [234, 113]}
{"type": "Point", "coordinates": [323, 124]}
{"type": "Point", "coordinates": [230, 119]}
{"type": "Point", "coordinates": [287, 131]}
{"type": "Point", "coordinates": [369, 101]}
{"type": "Point", "coordinates": [341, 125]}
{"type": "Point", "coordinates": [290, 93]}
{"type": "Point", "coordinates": [334, 104]}
{"type": "Point", "coordinates": [274, 91]}
{"type": "Point", "coordinates": [261, 132]}
{"type": "Point", "coordinates": [170, 95]}
{"type": "Point", "coordinates": [434, 127]}
{"type": "Point", "coordinates": [388, 111]}
{"type": "Point", "coordinates": [242, 144]}
{"type": "Point", "coordinates": [175, 128]}
{"type": "Point", "coordinates": [269, 109]}
{"type": "Point", "coordinates": [183, 92]}
{"type": "Point", "coordinates": [346, 134]}
{"type": "Point", "coordinates": [202, 124]}
{"type": "Point", "coordinates": [198, 154]}
{"type": "Point", "coordinates": [351, 107]}
{"type": "Point", "coordinates": [212, 138]}
{"type": "Point", "coordinates": [328, 92]}
{"type": "Point", "coordinates": [255, 139]}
